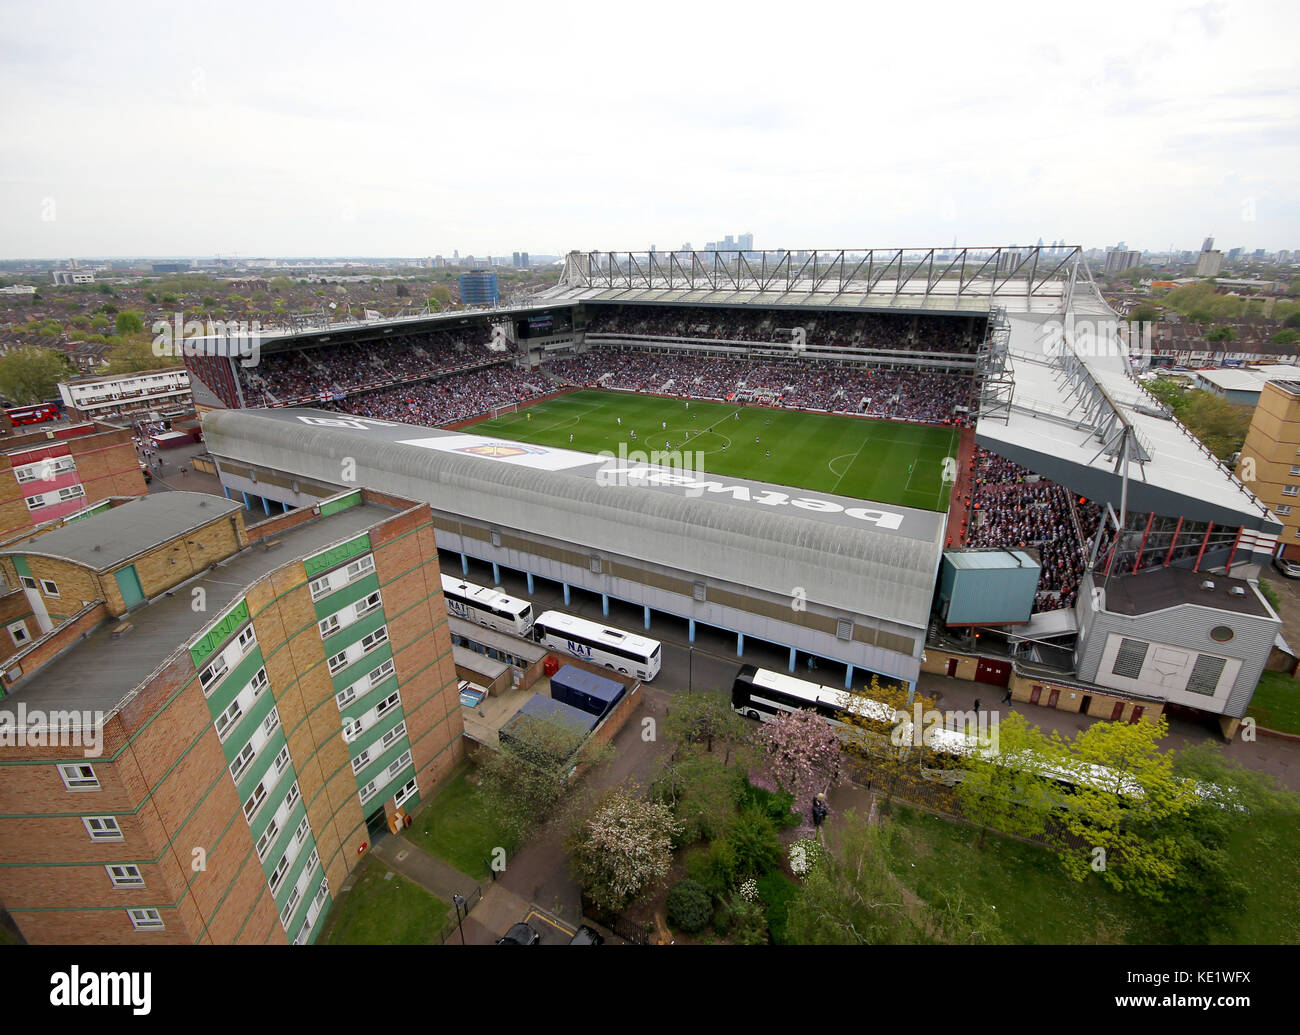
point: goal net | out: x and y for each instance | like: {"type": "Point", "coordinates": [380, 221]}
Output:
{"type": "Point", "coordinates": [504, 408]}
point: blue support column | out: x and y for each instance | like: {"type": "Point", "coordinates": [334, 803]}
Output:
{"type": "Point", "coordinates": [647, 616]}
{"type": "Point", "coordinates": [740, 645]}
{"type": "Point", "coordinates": [464, 563]}
{"type": "Point", "coordinates": [566, 593]}
{"type": "Point", "coordinates": [848, 678]}
{"type": "Point", "coordinates": [529, 575]}
{"type": "Point", "coordinates": [496, 574]}
{"type": "Point", "coordinates": [226, 490]}
{"type": "Point", "coordinates": [247, 502]}
{"type": "Point", "coordinates": [793, 652]}
{"type": "Point", "coordinates": [604, 604]}
{"type": "Point", "coordinates": [285, 507]}
{"type": "Point", "coordinates": [266, 506]}
{"type": "Point", "coordinates": [691, 627]}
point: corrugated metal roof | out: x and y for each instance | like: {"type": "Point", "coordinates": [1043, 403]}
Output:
{"type": "Point", "coordinates": [844, 555]}
{"type": "Point", "coordinates": [988, 559]}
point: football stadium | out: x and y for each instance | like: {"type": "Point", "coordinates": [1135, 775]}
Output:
{"type": "Point", "coordinates": [943, 457]}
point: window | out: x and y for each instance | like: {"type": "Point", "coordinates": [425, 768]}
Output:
{"type": "Point", "coordinates": [375, 638]}
{"type": "Point", "coordinates": [18, 631]}
{"type": "Point", "coordinates": [1295, 468]}
{"type": "Point", "coordinates": [393, 735]}
{"type": "Point", "coordinates": [352, 730]}
{"type": "Point", "coordinates": [209, 676]}
{"type": "Point", "coordinates": [246, 638]}
{"type": "Point", "coordinates": [145, 919]}
{"type": "Point", "coordinates": [1205, 674]}
{"type": "Point", "coordinates": [338, 662]}
{"type": "Point", "coordinates": [1290, 490]}
{"type": "Point", "coordinates": [361, 761]}
{"type": "Point", "coordinates": [254, 801]}
{"type": "Point", "coordinates": [241, 762]}
{"type": "Point", "coordinates": [102, 828]}
{"type": "Point", "coordinates": [328, 625]}
{"type": "Point", "coordinates": [79, 777]}
{"type": "Point", "coordinates": [71, 492]}
{"type": "Point", "coordinates": [368, 791]}
{"type": "Point", "coordinates": [291, 799]}
{"type": "Point", "coordinates": [300, 835]}
{"type": "Point", "coordinates": [364, 607]}
{"type": "Point", "coordinates": [267, 839]}
{"type": "Point", "coordinates": [51, 589]}
{"type": "Point", "coordinates": [406, 793]}
{"type": "Point", "coordinates": [277, 874]}
{"type": "Point", "coordinates": [387, 705]}
{"type": "Point", "coordinates": [28, 583]}
{"type": "Point", "coordinates": [1283, 509]}
{"type": "Point", "coordinates": [361, 566]}
{"type": "Point", "coordinates": [1130, 658]}
{"type": "Point", "coordinates": [281, 762]}
{"type": "Point", "coordinates": [286, 914]}
{"type": "Point", "coordinates": [35, 502]}
{"type": "Point", "coordinates": [272, 722]}
{"type": "Point", "coordinates": [125, 876]}
{"type": "Point", "coordinates": [319, 587]}
{"type": "Point", "coordinates": [1221, 633]}
{"type": "Point", "coordinates": [227, 719]}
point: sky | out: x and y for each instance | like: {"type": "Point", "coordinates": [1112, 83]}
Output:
{"type": "Point", "coordinates": [392, 129]}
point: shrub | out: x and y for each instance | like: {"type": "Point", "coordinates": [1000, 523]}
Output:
{"type": "Point", "coordinates": [743, 921]}
{"type": "Point", "coordinates": [777, 892]}
{"type": "Point", "coordinates": [714, 867]}
{"type": "Point", "coordinates": [754, 840]}
{"type": "Point", "coordinates": [778, 806]}
{"type": "Point", "coordinates": [689, 906]}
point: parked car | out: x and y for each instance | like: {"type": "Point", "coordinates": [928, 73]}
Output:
{"type": "Point", "coordinates": [520, 934]}
{"type": "Point", "coordinates": [1291, 569]}
{"type": "Point", "coordinates": [585, 935]}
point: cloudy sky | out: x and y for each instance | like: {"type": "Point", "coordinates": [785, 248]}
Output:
{"type": "Point", "coordinates": [392, 129]}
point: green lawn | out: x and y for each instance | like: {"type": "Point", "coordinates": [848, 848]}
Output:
{"type": "Point", "coordinates": [1276, 704]}
{"type": "Point", "coordinates": [456, 828]}
{"type": "Point", "coordinates": [384, 908]}
{"type": "Point", "coordinates": [882, 461]}
{"type": "Point", "coordinates": [1037, 904]}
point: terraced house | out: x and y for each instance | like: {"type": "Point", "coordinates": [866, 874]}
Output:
{"type": "Point", "coordinates": [208, 722]}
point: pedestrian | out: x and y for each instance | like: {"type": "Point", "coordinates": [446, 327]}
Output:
{"type": "Point", "coordinates": [820, 810]}
{"type": "Point", "coordinates": [570, 438]}
{"type": "Point", "coordinates": [1007, 698]}
{"type": "Point", "coordinates": [185, 472]}
{"type": "Point", "coordinates": [977, 706]}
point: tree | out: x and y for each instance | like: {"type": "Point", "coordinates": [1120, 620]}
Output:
{"type": "Point", "coordinates": [999, 790]}
{"type": "Point", "coordinates": [1125, 798]}
{"type": "Point", "coordinates": [31, 374]}
{"type": "Point", "coordinates": [800, 754]}
{"type": "Point", "coordinates": [701, 718]}
{"type": "Point", "coordinates": [1144, 314]}
{"type": "Point", "coordinates": [1287, 336]}
{"type": "Point", "coordinates": [1292, 321]}
{"type": "Point", "coordinates": [402, 291]}
{"type": "Point", "coordinates": [623, 849]}
{"type": "Point", "coordinates": [703, 792]}
{"type": "Point", "coordinates": [441, 294]}
{"type": "Point", "coordinates": [1221, 425]}
{"type": "Point", "coordinates": [1222, 334]}
{"type": "Point", "coordinates": [528, 776]}
{"type": "Point", "coordinates": [137, 353]}
{"type": "Point", "coordinates": [892, 747]}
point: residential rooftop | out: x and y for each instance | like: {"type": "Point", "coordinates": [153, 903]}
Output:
{"type": "Point", "coordinates": [98, 672]}
{"type": "Point", "coordinates": [1164, 588]}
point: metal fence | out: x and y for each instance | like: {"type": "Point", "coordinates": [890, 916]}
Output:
{"type": "Point", "coordinates": [452, 925]}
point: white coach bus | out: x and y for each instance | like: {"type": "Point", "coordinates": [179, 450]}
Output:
{"type": "Point", "coordinates": [487, 607]}
{"type": "Point", "coordinates": [624, 652]}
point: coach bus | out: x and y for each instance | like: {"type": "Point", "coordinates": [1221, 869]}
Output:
{"type": "Point", "coordinates": [487, 607]}
{"type": "Point", "coordinates": [624, 652]}
{"type": "Point", "coordinates": [36, 413]}
{"type": "Point", "coordinates": [763, 694]}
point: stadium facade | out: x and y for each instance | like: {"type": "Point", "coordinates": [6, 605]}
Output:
{"type": "Point", "coordinates": [1054, 378]}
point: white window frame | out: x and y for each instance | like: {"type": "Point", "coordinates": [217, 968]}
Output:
{"type": "Point", "coordinates": [77, 780]}
{"type": "Point", "coordinates": [1283, 509]}
{"type": "Point", "coordinates": [407, 792]}
{"type": "Point", "coordinates": [107, 833]}
{"type": "Point", "coordinates": [242, 760]}
{"type": "Point", "coordinates": [50, 587]}
{"type": "Point", "coordinates": [146, 919]}
{"type": "Point", "coordinates": [228, 720]}
{"type": "Point", "coordinates": [1291, 490]}
{"type": "Point", "coordinates": [128, 877]}
{"type": "Point", "coordinates": [392, 736]}
{"type": "Point", "coordinates": [71, 492]}
{"type": "Point", "coordinates": [27, 581]}
{"type": "Point", "coordinates": [17, 627]}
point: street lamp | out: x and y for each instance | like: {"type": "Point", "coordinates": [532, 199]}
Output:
{"type": "Point", "coordinates": [460, 901]}
{"type": "Point", "coordinates": [691, 685]}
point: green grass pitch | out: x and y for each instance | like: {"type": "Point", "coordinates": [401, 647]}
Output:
{"type": "Point", "coordinates": [881, 461]}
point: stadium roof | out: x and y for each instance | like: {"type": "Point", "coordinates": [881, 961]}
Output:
{"type": "Point", "coordinates": [861, 557]}
{"type": "Point", "coordinates": [947, 281]}
{"type": "Point", "coordinates": [1077, 409]}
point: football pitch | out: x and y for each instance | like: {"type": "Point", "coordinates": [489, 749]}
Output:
{"type": "Point", "coordinates": [882, 461]}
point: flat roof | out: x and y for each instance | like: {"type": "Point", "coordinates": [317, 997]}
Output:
{"type": "Point", "coordinates": [105, 540]}
{"type": "Point", "coordinates": [98, 673]}
{"type": "Point", "coordinates": [1158, 590]}
{"type": "Point", "coordinates": [988, 559]}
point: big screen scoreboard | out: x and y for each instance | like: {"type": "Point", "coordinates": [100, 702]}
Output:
{"type": "Point", "coordinates": [543, 325]}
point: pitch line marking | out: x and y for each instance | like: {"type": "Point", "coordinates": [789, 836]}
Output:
{"type": "Point", "coordinates": [851, 462]}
